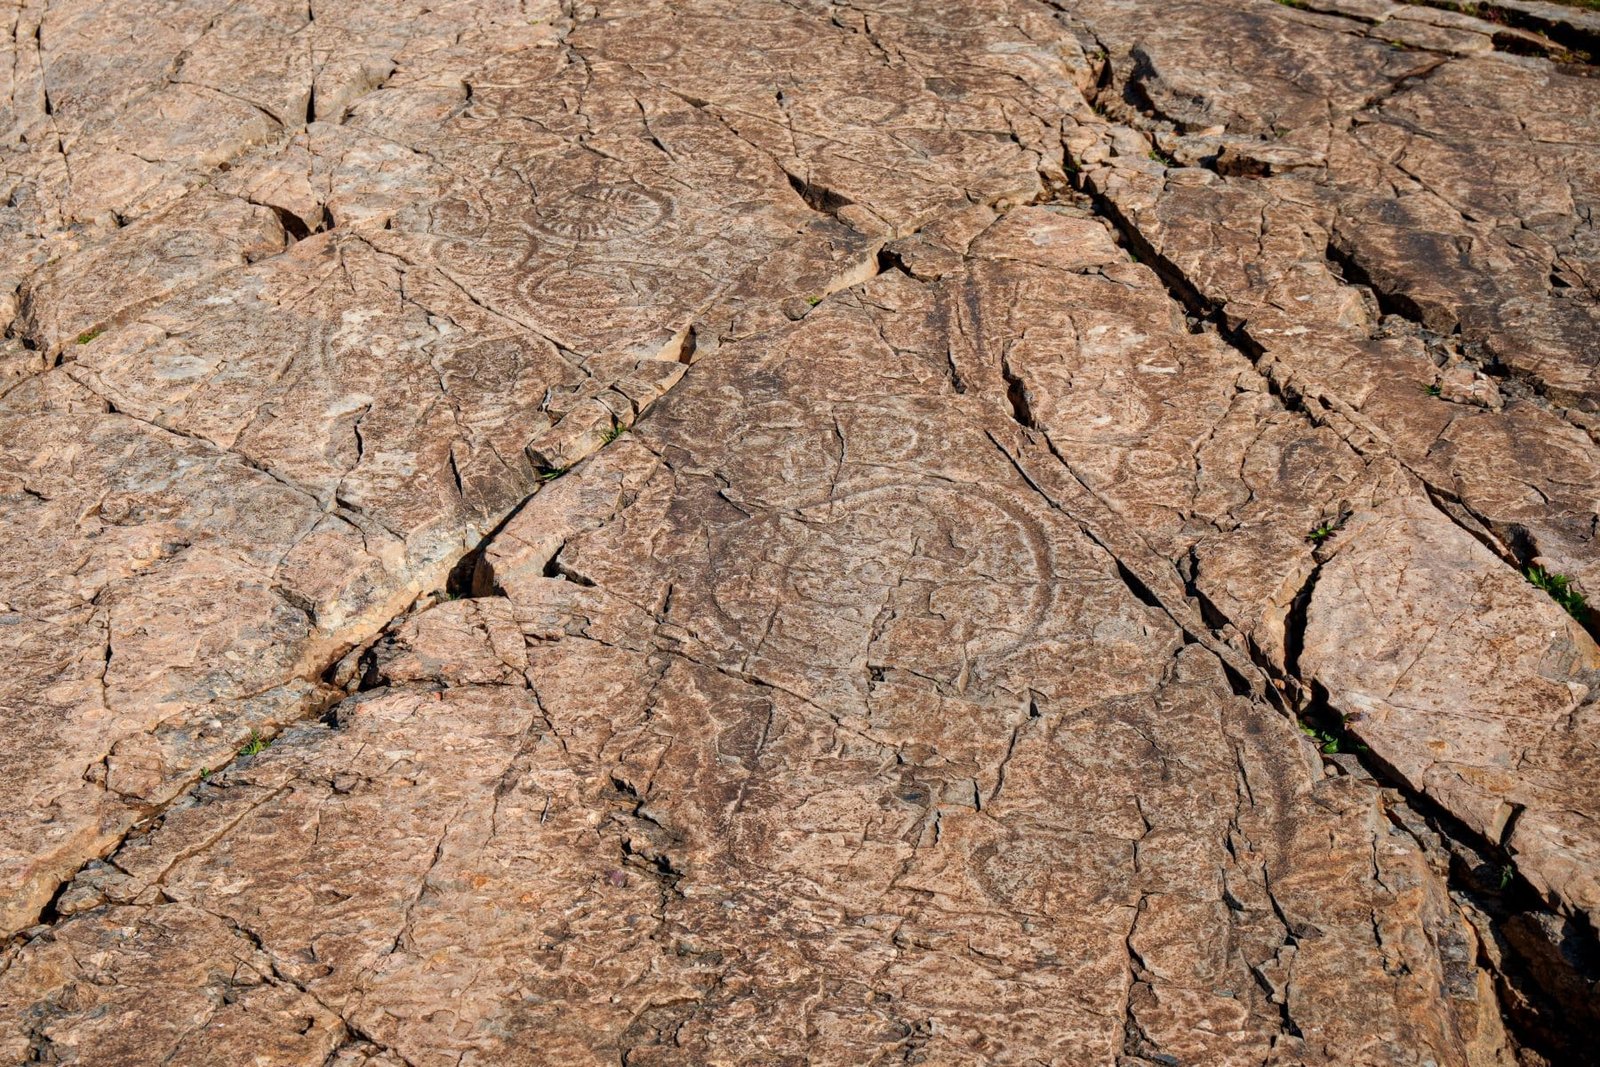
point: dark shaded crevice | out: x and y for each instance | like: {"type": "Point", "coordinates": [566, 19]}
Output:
{"type": "Point", "coordinates": [819, 198]}
{"type": "Point", "coordinates": [471, 576]}
{"type": "Point", "coordinates": [891, 260]}
{"type": "Point", "coordinates": [1452, 506]}
{"type": "Point", "coordinates": [1295, 622]}
{"type": "Point", "coordinates": [1581, 44]}
{"type": "Point", "coordinates": [1017, 397]}
{"type": "Point", "coordinates": [1346, 268]}
{"type": "Point", "coordinates": [686, 352]}
{"type": "Point", "coordinates": [291, 223]}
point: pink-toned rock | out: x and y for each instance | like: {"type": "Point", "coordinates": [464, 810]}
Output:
{"type": "Point", "coordinates": [776, 532]}
{"type": "Point", "coordinates": [1476, 691]}
{"type": "Point", "coordinates": [834, 748]}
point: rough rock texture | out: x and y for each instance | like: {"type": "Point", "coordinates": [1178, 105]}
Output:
{"type": "Point", "coordinates": [1017, 422]}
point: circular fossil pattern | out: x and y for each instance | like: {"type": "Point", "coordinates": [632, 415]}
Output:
{"type": "Point", "coordinates": [923, 572]}
{"type": "Point", "coordinates": [860, 109]}
{"type": "Point", "coordinates": [602, 212]}
{"type": "Point", "coordinates": [595, 288]}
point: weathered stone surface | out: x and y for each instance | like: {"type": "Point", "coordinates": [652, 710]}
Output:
{"type": "Point", "coordinates": [1011, 418]}
{"type": "Point", "coordinates": [1483, 701]}
{"type": "Point", "coordinates": [961, 785]}
{"type": "Point", "coordinates": [376, 306]}
{"type": "Point", "coordinates": [1485, 262]}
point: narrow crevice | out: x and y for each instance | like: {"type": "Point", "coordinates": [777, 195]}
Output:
{"type": "Point", "coordinates": [1295, 622]}
{"type": "Point", "coordinates": [292, 224]}
{"type": "Point", "coordinates": [1017, 397]}
{"type": "Point", "coordinates": [891, 260]}
{"type": "Point", "coordinates": [470, 576]}
{"type": "Point", "coordinates": [1582, 45]}
{"type": "Point", "coordinates": [1545, 964]}
{"type": "Point", "coordinates": [1346, 268]}
{"type": "Point", "coordinates": [819, 198]}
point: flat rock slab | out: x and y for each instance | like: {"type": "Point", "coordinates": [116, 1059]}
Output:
{"type": "Point", "coordinates": [874, 753]}
{"type": "Point", "coordinates": [792, 533]}
{"type": "Point", "coordinates": [373, 330]}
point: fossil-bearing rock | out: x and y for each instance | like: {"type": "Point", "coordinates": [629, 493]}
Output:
{"type": "Point", "coordinates": [800, 532]}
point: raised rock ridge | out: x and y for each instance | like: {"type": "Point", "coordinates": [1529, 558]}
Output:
{"type": "Point", "coordinates": [800, 532]}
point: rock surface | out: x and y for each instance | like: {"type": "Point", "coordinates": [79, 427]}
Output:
{"type": "Point", "coordinates": [793, 532]}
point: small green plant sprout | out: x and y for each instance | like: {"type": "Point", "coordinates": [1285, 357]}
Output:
{"type": "Point", "coordinates": [89, 335]}
{"type": "Point", "coordinates": [205, 773]}
{"type": "Point", "coordinates": [813, 300]}
{"type": "Point", "coordinates": [1326, 742]}
{"type": "Point", "coordinates": [1507, 872]}
{"type": "Point", "coordinates": [616, 431]}
{"type": "Point", "coordinates": [254, 745]}
{"type": "Point", "coordinates": [1560, 589]}
{"type": "Point", "coordinates": [550, 474]}
{"type": "Point", "coordinates": [1329, 742]}
{"type": "Point", "coordinates": [1327, 528]}
{"type": "Point", "coordinates": [1432, 390]}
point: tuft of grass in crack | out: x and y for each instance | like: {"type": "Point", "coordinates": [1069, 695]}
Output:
{"type": "Point", "coordinates": [1327, 528]}
{"type": "Point", "coordinates": [550, 474]}
{"type": "Point", "coordinates": [813, 300]}
{"type": "Point", "coordinates": [1560, 589]}
{"type": "Point", "coordinates": [255, 745]}
{"type": "Point", "coordinates": [616, 431]}
{"type": "Point", "coordinates": [1432, 390]}
{"type": "Point", "coordinates": [89, 335]}
{"type": "Point", "coordinates": [1162, 158]}
{"type": "Point", "coordinates": [1329, 742]}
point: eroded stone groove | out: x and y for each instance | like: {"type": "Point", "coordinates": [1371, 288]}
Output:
{"type": "Point", "coordinates": [833, 512]}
